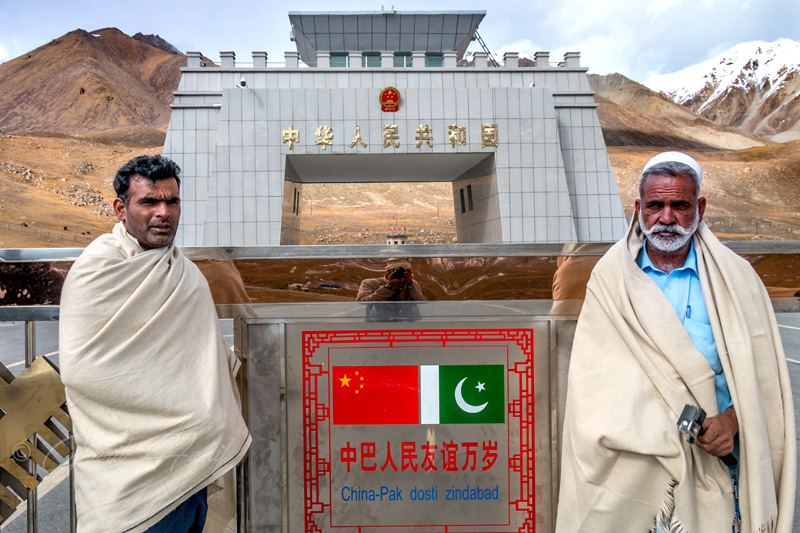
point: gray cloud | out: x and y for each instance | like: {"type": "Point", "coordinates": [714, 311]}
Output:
{"type": "Point", "coordinates": [632, 37]}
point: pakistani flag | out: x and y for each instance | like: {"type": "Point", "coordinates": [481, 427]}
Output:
{"type": "Point", "coordinates": [462, 394]}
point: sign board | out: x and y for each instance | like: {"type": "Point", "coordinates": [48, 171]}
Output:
{"type": "Point", "coordinates": [416, 428]}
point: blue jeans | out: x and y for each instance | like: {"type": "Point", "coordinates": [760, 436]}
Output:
{"type": "Point", "coordinates": [188, 517]}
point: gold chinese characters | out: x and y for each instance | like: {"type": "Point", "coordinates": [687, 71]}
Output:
{"type": "Point", "coordinates": [424, 135]}
{"type": "Point", "coordinates": [358, 139]}
{"type": "Point", "coordinates": [324, 136]}
{"type": "Point", "coordinates": [456, 135]}
{"type": "Point", "coordinates": [291, 136]}
{"type": "Point", "coordinates": [488, 135]}
{"type": "Point", "coordinates": [391, 136]}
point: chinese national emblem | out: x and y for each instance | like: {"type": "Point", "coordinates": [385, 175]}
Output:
{"type": "Point", "coordinates": [390, 99]}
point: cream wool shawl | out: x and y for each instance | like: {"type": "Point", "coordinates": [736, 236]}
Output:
{"type": "Point", "coordinates": [634, 367]}
{"type": "Point", "coordinates": [148, 382]}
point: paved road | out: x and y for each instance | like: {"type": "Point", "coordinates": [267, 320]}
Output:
{"type": "Point", "coordinates": [53, 505]}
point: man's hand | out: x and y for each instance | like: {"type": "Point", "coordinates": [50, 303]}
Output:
{"type": "Point", "coordinates": [396, 283]}
{"type": "Point", "coordinates": [719, 432]}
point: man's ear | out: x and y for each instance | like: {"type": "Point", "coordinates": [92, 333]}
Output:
{"type": "Point", "coordinates": [701, 208]}
{"type": "Point", "coordinates": [119, 209]}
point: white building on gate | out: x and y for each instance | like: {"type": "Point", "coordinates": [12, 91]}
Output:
{"type": "Point", "coordinates": [378, 97]}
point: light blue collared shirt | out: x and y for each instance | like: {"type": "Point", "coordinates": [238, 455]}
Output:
{"type": "Point", "coordinates": [682, 289]}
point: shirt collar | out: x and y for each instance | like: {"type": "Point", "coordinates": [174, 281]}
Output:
{"type": "Point", "coordinates": [690, 263]}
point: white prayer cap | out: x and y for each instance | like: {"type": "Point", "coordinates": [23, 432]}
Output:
{"type": "Point", "coordinates": [677, 157]}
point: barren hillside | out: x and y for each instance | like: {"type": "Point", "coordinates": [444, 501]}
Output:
{"type": "Point", "coordinates": [338, 213]}
{"type": "Point", "coordinates": [647, 111]}
{"type": "Point", "coordinates": [87, 82]}
{"type": "Point", "coordinates": [625, 127]}
{"type": "Point", "coordinates": [61, 184]}
{"type": "Point", "coordinates": [56, 190]}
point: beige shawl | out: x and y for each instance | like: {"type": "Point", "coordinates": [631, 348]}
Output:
{"type": "Point", "coordinates": [148, 382]}
{"type": "Point", "coordinates": [633, 369]}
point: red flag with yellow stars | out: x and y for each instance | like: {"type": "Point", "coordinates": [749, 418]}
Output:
{"type": "Point", "coordinates": [375, 395]}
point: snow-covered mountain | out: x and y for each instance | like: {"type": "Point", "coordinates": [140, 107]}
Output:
{"type": "Point", "coordinates": [754, 86]}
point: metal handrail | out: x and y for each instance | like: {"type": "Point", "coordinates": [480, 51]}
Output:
{"type": "Point", "coordinates": [26, 255]}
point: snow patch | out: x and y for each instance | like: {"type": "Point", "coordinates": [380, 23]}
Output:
{"type": "Point", "coordinates": [752, 64]}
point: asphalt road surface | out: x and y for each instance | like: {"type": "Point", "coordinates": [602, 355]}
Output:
{"type": "Point", "coordinates": [53, 506]}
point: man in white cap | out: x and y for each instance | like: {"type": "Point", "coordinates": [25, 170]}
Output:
{"type": "Point", "coordinates": [673, 317]}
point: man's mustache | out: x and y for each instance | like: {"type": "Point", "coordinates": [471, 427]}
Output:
{"type": "Point", "coordinates": [668, 228]}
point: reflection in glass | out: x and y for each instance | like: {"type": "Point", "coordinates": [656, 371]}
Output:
{"type": "Point", "coordinates": [338, 279]}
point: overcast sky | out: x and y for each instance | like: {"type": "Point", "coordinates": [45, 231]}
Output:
{"type": "Point", "coordinates": [637, 38]}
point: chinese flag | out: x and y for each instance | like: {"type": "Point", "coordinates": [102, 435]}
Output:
{"type": "Point", "coordinates": [374, 395]}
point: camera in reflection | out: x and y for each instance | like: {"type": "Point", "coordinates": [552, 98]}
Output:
{"type": "Point", "coordinates": [397, 273]}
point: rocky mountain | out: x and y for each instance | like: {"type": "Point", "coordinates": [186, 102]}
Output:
{"type": "Point", "coordinates": [89, 82]}
{"type": "Point", "coordinates": [753, 86]}
{"type": "Point", "coordinates": [156, 42]}
{"type": "Point", "coordinates": [633, 115]}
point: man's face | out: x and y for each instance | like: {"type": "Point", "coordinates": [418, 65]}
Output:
{"type": "Point", "coordinates": [153, 211]}
{"type": "Point", "coordinates": [669, 211]}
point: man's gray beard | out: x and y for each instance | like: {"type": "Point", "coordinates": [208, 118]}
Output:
{"type": "Point", "coordinates": [674, 243]}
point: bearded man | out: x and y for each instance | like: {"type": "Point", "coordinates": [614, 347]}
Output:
{"type": "Point", "coordinates": [673, 317]}
{"type": "Point", "coordinates": [147, 373]}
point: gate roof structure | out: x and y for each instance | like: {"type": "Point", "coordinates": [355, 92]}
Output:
{"type": "Point", "coordinates": [400, 31]}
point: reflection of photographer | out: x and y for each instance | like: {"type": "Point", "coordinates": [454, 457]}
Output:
{"type": "Point", "coordinates": [397, 285]}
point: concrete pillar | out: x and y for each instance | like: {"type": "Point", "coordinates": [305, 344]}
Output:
{"type": "Point", "coordinates": [259, 60]}
{"type": "Point", "coordinates": [511, 59]}
{"type": "Point", "coordinates": [572, 59]}
{"type": "Point", "coordinates": [387, 59]}
{"type": "Point", "coordinates": [450, 60]}
{"type": "Point", "coordinates": [480, 59]}
{"type": "Point", "coordinates": [355, 59]}
{"type": "Point", "coordinates": [323, 60]}
{"type": "Point", "coordinates": [194, 59]}
{"type": "Point", "coordinates": [418, 59]}
{"type": "Point", "coordinates": [228, 59]}
{"type": "Point", "coordinates": [291, 59]}
{"type": "Point", "coordinates": [541, 59]}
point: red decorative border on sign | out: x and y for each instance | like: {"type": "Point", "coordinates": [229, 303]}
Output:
{"type": "Point", "coordinates": [315, 411]}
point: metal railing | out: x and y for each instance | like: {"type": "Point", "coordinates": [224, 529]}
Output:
{"type": "Point", "coordinates": [30, 316]}
{"type": "Point", "coordinates": [52, 236]}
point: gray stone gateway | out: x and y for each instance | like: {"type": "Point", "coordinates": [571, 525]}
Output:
{"type": "Point", "coordinates": [378, 97]}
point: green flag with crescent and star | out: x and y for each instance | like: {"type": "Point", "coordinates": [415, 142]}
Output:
{"type": "Point", "coordinates": [462, 394]}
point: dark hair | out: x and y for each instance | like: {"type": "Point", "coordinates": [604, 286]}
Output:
{"type": "Point", "coordinates": [153, 168]}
